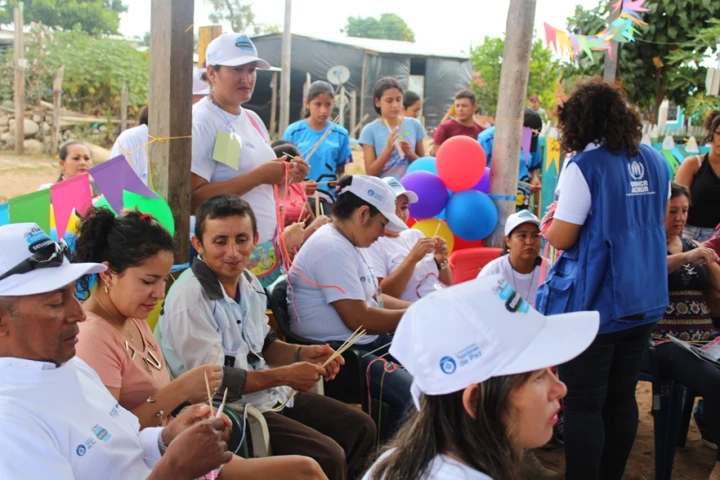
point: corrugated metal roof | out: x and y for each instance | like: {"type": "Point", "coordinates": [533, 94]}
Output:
{"type": "Point", "coordinates": [392, 47]}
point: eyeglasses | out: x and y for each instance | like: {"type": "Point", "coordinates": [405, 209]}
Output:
{"type": "Point", "coordinates": [49, 256]}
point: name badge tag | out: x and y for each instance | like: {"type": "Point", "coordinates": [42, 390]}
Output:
{"type": "Point", "coordinates": [227, 149]}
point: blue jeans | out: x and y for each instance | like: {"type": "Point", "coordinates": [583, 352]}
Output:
{"type": "Point", "coordinates": [601, 413]}
{"type": "Point", "coordinates": [699, 234]}
{"type": "Point", "coordinates": [394, 386]}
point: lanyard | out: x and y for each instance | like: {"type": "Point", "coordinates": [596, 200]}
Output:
{"type": "Point", "coordinates": [369, 268]}
{"type": "Point", "coordinates": [228, 121]}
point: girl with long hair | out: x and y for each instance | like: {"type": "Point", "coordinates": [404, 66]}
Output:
{"type": "Point", "coordinates": [482, 386]}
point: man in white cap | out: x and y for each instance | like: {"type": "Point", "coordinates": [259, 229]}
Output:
{"type": "Point", "coordinates": [57, 418]}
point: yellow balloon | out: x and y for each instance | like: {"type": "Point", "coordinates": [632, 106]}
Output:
{"type": "Point", "coordinates": [433, 227]}
{"type": "Point", "coordinates": [154, 316]}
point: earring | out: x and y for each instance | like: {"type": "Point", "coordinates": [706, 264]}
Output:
{"type": "Point", "coordinates": [107, 290]}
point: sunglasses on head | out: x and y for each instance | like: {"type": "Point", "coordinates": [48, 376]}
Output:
{"type": "Point", "coordinates": [49, 256]}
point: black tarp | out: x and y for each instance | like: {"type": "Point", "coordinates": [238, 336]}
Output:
{"type": "Point", "coordinates": [443, 76]}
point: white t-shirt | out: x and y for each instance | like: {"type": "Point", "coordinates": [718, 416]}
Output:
{"type": "Point", "coordinates": [442, 467]}
{"type": "Point", "coordinates": [525, 284]}
{"type": "Point", "coordinates": [207, 120]}
{"type": "Point", "coordinates": [129, 144]}
{"type": "Point", "coordinates": [386, 255]}
{"type": "Point", "coordinates": [575, 200]}
{"type": "Point", "coordinates": [63, 423]}
{"type": "Point", "coordinates": [328, 258]}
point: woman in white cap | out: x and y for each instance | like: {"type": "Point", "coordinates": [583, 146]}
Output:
{"type": "Point", "coordinates": [522, 267]}
{"type": "Point", "coordinates": [481, 384]}
{"type": "Point", "coordinates": [332, 290]}
{"type": "Point", "coordinates": [409, 265]}
{"type": "Point", "coordinates": [231, 151]}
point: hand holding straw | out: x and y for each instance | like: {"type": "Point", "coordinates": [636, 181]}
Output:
{"type": "Point", "coordinates": [222, 405]}
{"type": "Point", "coordinates": [210, 403]}
{"type": "Point", "coordinates": [349, 343]}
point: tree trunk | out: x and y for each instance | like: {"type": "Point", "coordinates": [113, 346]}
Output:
{"type": "Point", "coordinates": [510, 109]}
{"type": "Point", "coordinates": [660, 89]}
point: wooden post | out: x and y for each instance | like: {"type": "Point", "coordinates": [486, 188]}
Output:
{"type": "Point", "coordinates": [286, 69]}
{"type": "Point", "coordinates": [353, 110]}
{"type": "Point", "coordinates": [205, 36]}
{"type": "Point", "coordinates": [57, 95]}
{"type": "Point", "coordinates": [362, 89]}
{"type": "Point", "coordinates": [273, 104]}
{"type": "Point", "coordinates": [611, 64]}
{"type": "Point", "coordinates": [123, 107]}
{"type": "Point", "coordinates": [341, 106]}
{"type": "Point", "coordinates": [20, 65]}
{"type": "Point", "coordinates": [170, 111]}
{"type": "Point", "coordinates": [509, 117]}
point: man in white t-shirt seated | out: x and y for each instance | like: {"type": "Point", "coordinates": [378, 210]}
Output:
{"type": "Point", "coordinates": [57, 418]}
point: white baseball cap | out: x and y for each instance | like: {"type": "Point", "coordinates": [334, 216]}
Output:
{"type": "Point", "coordinates": [400, 190]}
{"type": "Point", "coordinates": [468, 333]}
{"type": "Point", "coordinates": [518, 218]}
{"type": "Point", "coordinates": [378, 194]}
{"type": "Point", "coordinates": [32, 263]}
{"type": "Point", "coordinates": [200, 86]}
{"type": "Point", "coordinates": [232, 50]}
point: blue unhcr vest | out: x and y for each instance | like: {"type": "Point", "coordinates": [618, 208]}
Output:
{"type": "Point", "coordinates": [619, 264]}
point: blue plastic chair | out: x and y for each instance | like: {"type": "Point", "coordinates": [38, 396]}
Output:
{"type": "Point", "coordinates": [672, 406]}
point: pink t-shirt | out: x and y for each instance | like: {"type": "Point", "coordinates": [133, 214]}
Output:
{"type": "Point", "coordinates": [103, 348]}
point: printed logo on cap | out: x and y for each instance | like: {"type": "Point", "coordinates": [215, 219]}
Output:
{"type": "Point", "coordinates": [372, 193]}
{"type": "Point", "coordinates": [80, 450]}
{"type": "Point", "coordinates": [37, 239]}
{"type": "Point", "coordinates": [448, 365]}
{"type": "Point", "coordinates": [244, 43]}
{"type": "Point", "coordinates": [514, 303]}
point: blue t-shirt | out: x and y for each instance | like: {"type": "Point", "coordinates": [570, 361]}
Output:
{"type": "Point", "coordinates": [486, 140]}
{"type": "Point", "coordinates": [331, 154]}
{"type": "Point", "coordinates": [376, 134]}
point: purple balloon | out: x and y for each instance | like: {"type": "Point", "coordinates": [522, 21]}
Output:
{"type": "Point", "coordinates": [431, 191]}
{"type": "Point", "coordinates": [484, 184]}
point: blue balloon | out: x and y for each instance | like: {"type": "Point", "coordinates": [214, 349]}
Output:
{"type": "Point", "coordinates": [423, 164]}
{"type": "Point", "coordinates": [471, 215]}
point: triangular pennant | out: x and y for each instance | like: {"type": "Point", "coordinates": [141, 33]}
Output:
{"type": "Point", "coordinates": [32, 208]}
{"type": "Point", "coordinates": [115, 176]}
{"type": "Point", "coordinates": [550, 38]}
{"type": "Point", "coordinates": [68, 195]}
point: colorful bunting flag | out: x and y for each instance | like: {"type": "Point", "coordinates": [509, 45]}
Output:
{"type": "Point", "coordinates": [553, 154]}
{"type": "Point", "coordinates": [4, 214]}
{"type": "Point", "coordinates": [33, 208]}
{"type": "Point", "coordinates": [526, 142]}
{"type": "Point", "coordinates": [68, 195]}
{"type": "Point", "coordinates": [115, 176]}
{"type": "Point", "coordinates": [620, 30]}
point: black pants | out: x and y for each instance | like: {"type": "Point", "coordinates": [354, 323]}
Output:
{"type": "Point", "coordinates": [339, 437]}
{"type": "Point", "coordinates": [699, 376]}
{"type": "Point", "coordinates": [601, 413]}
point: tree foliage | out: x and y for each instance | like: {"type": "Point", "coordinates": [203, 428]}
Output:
{"type": "Point", "coordinates": [240, 15]}
{"type": "Point", "coordinates": [545, 73]}
{"type": "Point", "coordinates": [389, 27]}
{"type": "Point", "coordinates": [95, 69]}
{"type": "Point", "coordinates": [663, 61]}
{"type": "Point", "coordinates": [96, 17]}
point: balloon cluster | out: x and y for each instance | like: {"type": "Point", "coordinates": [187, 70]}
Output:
{"type": "Point", "coordinates": [453, 194]}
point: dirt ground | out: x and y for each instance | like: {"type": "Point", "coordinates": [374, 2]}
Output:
{"type": "Point", "coordinates": [24, 174]}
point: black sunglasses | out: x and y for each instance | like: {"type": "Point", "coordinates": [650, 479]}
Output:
{"type": "Point", "coordinates": [49, 256]}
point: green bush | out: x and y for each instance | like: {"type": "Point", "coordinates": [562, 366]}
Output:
{"type": "Point", "coordinates": [95, 69]}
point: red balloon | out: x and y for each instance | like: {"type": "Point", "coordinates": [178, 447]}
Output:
{"type": "Point", "coordinates": [461, 244]}
{"type": "Point", "coordinates": [411, 221]}
{"type": "Point", "coordinates": [460, 163]}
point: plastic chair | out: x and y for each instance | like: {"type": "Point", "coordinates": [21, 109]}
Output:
{"type": "Point", "coordinates": [466, 263]}
{"type": "Point", "coordinates": [672, 408]}
{"type": "Point", "coordinates": [350, 385]}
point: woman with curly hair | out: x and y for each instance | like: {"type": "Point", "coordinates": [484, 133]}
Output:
{"type": "Point", "coordinates": [701, 174]}
{"type": "Point", "coordinates": [609, 222]}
